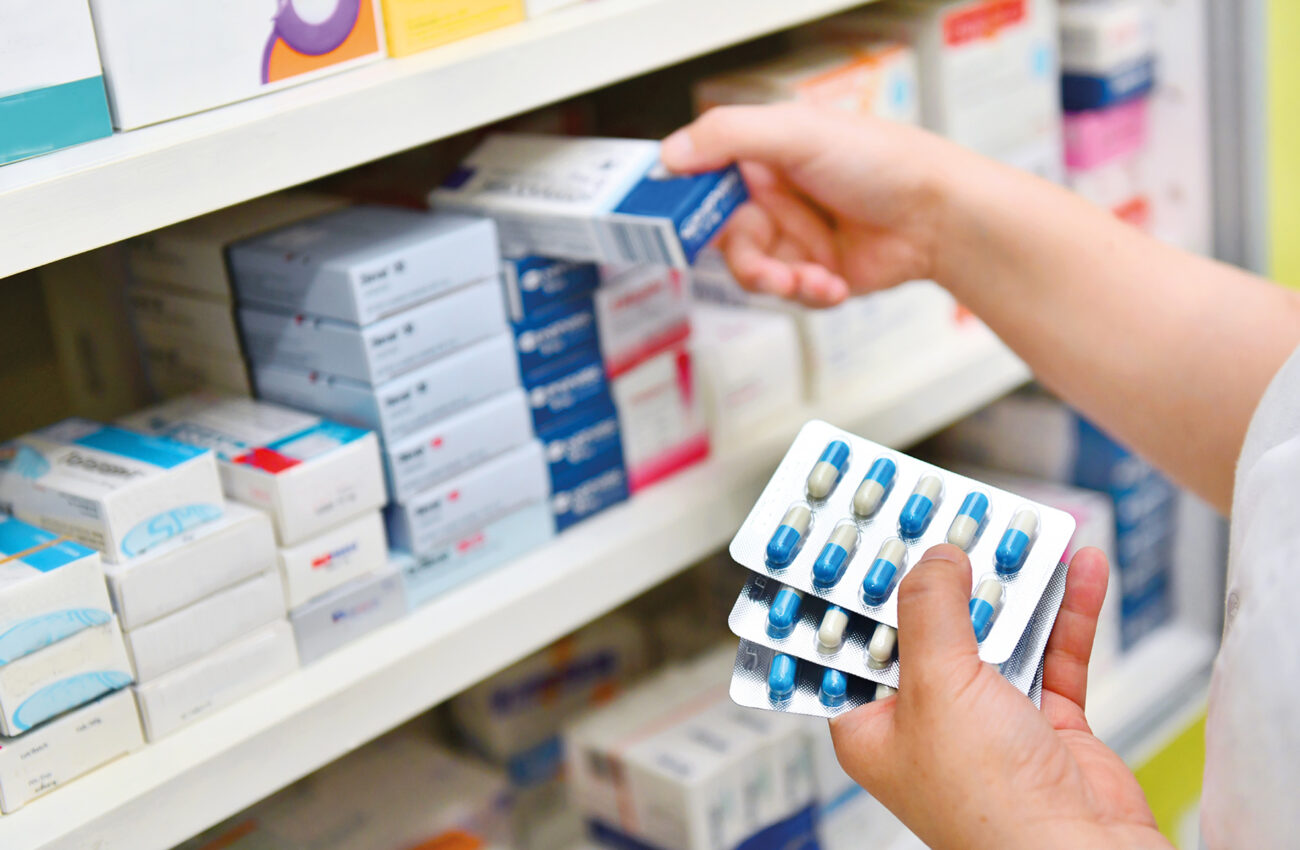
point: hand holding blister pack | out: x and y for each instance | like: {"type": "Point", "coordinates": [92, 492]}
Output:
{"type": "Point", "coordinates": [831, 537]}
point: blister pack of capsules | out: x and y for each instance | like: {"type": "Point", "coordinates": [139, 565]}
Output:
{"type": "Point", "coordinates": [832, 535]}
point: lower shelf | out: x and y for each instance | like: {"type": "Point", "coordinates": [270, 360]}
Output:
{"type": "Point", "coordinates": [192, 779]}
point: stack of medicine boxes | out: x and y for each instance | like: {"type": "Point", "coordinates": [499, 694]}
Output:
{"type": "Point", "coordinates": [1107, 76]}
{"type": "Point", "coordinates": [393, 320]}
{"type": "Point", "coordinates": [60, 648]}
{"type": "Point", "coordinates": [312, 528]}
{"type": "Point", "coordinates": [180, 293]}
{"type": "Point", "coordinates": [200, 617]}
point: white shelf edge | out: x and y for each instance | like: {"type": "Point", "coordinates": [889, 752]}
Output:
{"type": "Point", "coordinates": [70, 201]}
{"type": "Point", "coordinates": [208, 771]}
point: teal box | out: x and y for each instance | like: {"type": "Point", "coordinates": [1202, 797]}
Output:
{"type": "Point", "coordinates": [46, 119]}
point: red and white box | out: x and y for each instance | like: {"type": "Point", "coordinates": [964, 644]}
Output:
{"type": "Point", "coordinates": [660, 416]}
{"type": "Point", "coordinates": [641, 311]}
{"type": "Point", "coordinates": [1099, 136]}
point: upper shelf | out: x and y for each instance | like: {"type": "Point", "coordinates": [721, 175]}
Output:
{"type": "Point", "coordinates": [104, 191]}
{"type": "Point", "coordinates": [208, 771]}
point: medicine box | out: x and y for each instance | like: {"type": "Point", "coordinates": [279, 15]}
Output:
{"type": "Point", "coordinates": [551, 340]}
{"type": "Point", "coordinates": [62, 675]}
{"type": "Point", "coordinates": [216, 680]}
{"type": "Point", "coordinates": [194, 631]}
{"type": "Point", "coordinates": [1131, 82]}
{"type": "Point", "coordinates": [52, 94]}
{"type": "Point", "coordinates": [381, 350]}
{"type": "Point", "coordinates": [458, 443]}
{"type": "Point", "coordinates": [536, 284]}
{"type": "Point", "coordinates": [660, 418]}
{"type": "Point", "coordinates": [582, 444]}
{"type": "Point", "coordinates": [340, 616]}
{"type": "Point", "coordinates": [164, 318]}
{"type": "Point", "coordinates": [581, 384]}
{"type": "Point", "coordinates": [50, 588]}
{"type": "Point", "coordinates": [606, 200]}
{"type": "Point", "coordinates": [416, 25]}
{"type": "Point", "coordinates": [192, 566]}
{"type": "Point", "coordinates": [404, 405]}
{"type": "Point", "coordinates": [456, 507]}
{"type": "Point", "coordinates": [1100, 136]}
{"type": "Point", "coordinates": [333, 557]}
{"type": "Point", "coordinates": [107, 488]}
{"type": "Point", "coordinates": [177, 369]}
{"type": "Point", "coordinates": [475, 552]}
{"type": "Point", "coordinates": [989, 69]}
{"type": "Point", "coordinates": [62, 749]}
{"type": "Point", "coordinates": [306, 472]}
{"type": "Point", "coordinates": [641, 311]}
{"type": "Point", "coordinates": [1101, 36]}
{"type": "Point", "coordinates": [163, 59]}
{"type": "Point", "coordinates": [869, 77]}
{"type": "Point", "coordinates": [191, 256]}
{"type": "Point", "coordinates": [749, 363]}
{"type": "Point", "coordinates": [363, 263]}
{"type": "Point", "coordinates": [586, 498]}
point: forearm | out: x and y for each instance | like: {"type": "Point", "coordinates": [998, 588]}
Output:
{"type": "Point", "coordinates": [1167, 351]}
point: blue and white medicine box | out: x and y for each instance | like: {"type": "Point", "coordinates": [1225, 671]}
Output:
{"type": "Point", "coordinates": [382, 350]}
{"type": "Point", "coordinates": [308, 473]}
{"type": "Point", "coordinates": [581, 383]}
{"type": "Point", "coordinates": [331, 620]}
{"type": "Point", "coordinates": [50, 589]}
{"type": "Point", "coordinates": [51, 86]}
{"type": "Point", "coordinates": [363, 263]}
{"type": "Point", "coordinates": [107, 488]}
{"type": "Point", "coordinates": [591, 496]}
{"type": "Point", "coordinates": [1080, 92]}
{"type": "Point", "coordinates": [582, 444]}
{"type": "Point", "coordinates": [550, 341]}
{"type": "Point", "coordinates": [603, 200]}
{"type": "Point", "coordinates": [62, 676]}
{"type": "Point", "coordinates": [536, 284]}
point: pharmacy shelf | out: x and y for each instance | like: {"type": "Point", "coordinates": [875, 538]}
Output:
{"type": "Point", "coordinates": [206, 772]}
{"type": "Point", "coordinates": [67, 202]}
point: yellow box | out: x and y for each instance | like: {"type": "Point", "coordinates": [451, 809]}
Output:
{"type": "Point", "coordinates": [416, 25]}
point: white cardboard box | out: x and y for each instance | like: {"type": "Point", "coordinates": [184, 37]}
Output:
{"type": "Point", "coordinates": [660, 418]}
{"type": "Point", "coordinates": [363, 263]}
{"type": "Point", "coordinates": [470, 500]}
{"type": "Point", "coordinates": [606, 200]}
{"type": "Point", "coordinates": [347, 612]}
{"type": "Point", "coordinates": [382, 350]}
{"type": "Point", "coordinates": [194, 631]}
{"type": "Point", "coordinates": [308, 473]}
{"type": "Point", "coordinates": [168, 319]}
{"type": "Point", "coordinates": [50, 588]}
{"type": "Point", "coordinates": [163, 59]}
{"type": "Point", "coordinates": [1099, 37]}
{"type": "Point", "coordinates": [406, 404]}
{"type": "Point", "coordinates": [640, 311]}
{"type": "Point", "coordinates": [216, 680]}
{"type": "Point", "coordinates": [191, 256]}
{"type": "Point", "coordinates": [177, 369]}
{"type": "Point", "coordinates": [63, 675]}
{"type": "Point", "coordinates": [453, 445]}
{"type": "Point", "coordinates": [62, 749]}
{"type": "Point", "coordinates": [198, 563]}
{"type": "Point", "coordinates": [332, 558]}
{"type": "Point", "coordinates": [110, 489]}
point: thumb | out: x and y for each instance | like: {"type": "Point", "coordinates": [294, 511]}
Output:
{"type": "Point", "coordinates": [935, 637]}
{"type": "Point", "coordinates": [779, 135]}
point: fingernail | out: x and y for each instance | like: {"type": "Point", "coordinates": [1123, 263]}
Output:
{"type": "Point", "coordinates": [677, 148]}
{"type": "Point", "coordinates": [944, 552]}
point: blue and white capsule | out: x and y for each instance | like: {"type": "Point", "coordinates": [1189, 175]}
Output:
{"type": "Point", "coordinates": [879, 582]}
{"type": "Point", "coordinates": [1016, 542]}
{"type": "Point", "coordinates": [985, 603]}
{"type": "Point", "coordinates": [830, 634]}
{"type": "Point", "coordinates": [835, 556]}
{"type": "Point", "coordinates": [783, 616]}
{"type": "Point", "coordinates": [834, 689]}
{"type": "Point", "coordinates": [781, 678]}
{"type": "Point", "coordinates": [789, 536]}
{"type": "Point", "coordinates": [828, 470]}
{"type": "Point", "coordinates": [968, 523]}
{"type": "Point", "coordinates": [874, 487]}
{"type": "Point", "coordinates": [880, 650]}
{"type": "Point", "coordinates": [919, 508]}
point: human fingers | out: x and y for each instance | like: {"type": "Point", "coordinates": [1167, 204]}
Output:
{"type": "Point", "coordinates": [1065, 661]}
{"type": "Point", "coordinates": [777, 134]}
{"type": "Point", "coordinates": [936, 643]}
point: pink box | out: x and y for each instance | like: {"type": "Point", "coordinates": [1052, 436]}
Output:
{"type": "Point", "coordinates": [1099, 136]}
